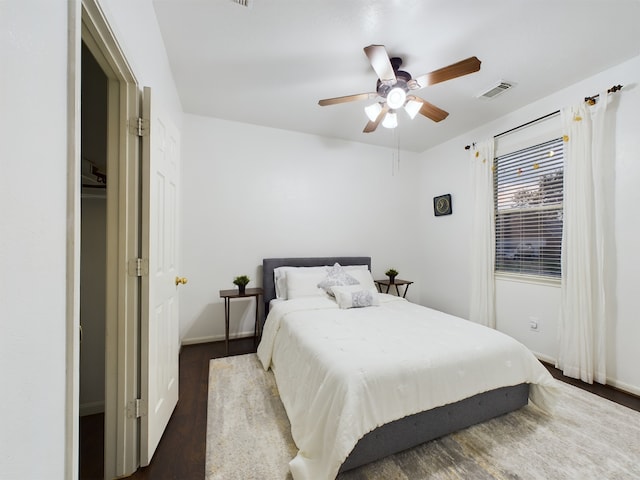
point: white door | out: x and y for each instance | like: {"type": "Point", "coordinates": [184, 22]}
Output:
{"type": "Point", "coordinates": [159, 293]}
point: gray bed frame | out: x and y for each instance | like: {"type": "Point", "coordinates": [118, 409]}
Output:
{"type": "Point", "coordinates": [415, 429]}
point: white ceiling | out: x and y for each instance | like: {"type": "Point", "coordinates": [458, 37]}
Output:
{"type": "Point", "coordinates": [269, 64]}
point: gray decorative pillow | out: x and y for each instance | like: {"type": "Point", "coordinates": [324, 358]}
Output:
{"type": "Point", "coordinates": [336, 276]}
{"type": "Point", "coordinates": [355, 296]}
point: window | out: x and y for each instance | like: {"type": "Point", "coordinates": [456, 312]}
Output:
{"type": "Point", "coordinates": [528, 188]}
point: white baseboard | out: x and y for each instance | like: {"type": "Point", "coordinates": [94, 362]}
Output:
{"type": "Point", "coordinates": [544, 358]}
{"type": "Point", "coordinates": [622, 386]}
{"type": "Point", "coordinates": [91, 408]}
{"type": "Point", "coordinates": [625, 387]}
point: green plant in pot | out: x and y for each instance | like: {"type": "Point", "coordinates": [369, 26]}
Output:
{"type": "Point", "coordinates": [391, 273]}
{"type": "Point", "coordinates": [241, 281]}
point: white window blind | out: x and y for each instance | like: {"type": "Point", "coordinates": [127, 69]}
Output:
{"type": "Point", "coordinates": [528, 189]}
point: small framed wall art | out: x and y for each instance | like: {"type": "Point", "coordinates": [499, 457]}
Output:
{"type": "Point", "coordinates": [442, 205]}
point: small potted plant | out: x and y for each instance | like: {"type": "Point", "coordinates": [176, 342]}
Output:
{"type": "Point", "coordinates": [391, 273]}
{"type": "Point", "coordinates": [241, 281]}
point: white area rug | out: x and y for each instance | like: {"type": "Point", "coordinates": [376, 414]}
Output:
{"type": "Point", "coordinates": [588, 437]}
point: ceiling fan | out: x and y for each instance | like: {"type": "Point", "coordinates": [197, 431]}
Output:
{"type": "Point", "coordinates": [394, 88]}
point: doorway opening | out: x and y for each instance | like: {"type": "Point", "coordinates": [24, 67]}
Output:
{"type": "Point", "coordinates": [93, 262]}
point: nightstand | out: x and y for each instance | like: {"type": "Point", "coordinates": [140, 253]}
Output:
{"type": "Point", "coordinates": [396, 282]}
{"type": "Point", "coordinates": [234, 293]}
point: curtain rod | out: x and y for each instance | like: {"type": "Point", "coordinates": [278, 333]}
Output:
{"type": "Point", "coordinates": [590, 100]}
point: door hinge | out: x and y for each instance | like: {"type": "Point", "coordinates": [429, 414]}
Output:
{"type": "Point", "coordinates": [137, 408]}
{"type": "Point", "coordinates": [138, 267]}
{"type": "Point", "coordinates": [139, 126]}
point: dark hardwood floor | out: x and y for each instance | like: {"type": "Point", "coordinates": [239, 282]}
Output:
{"type": "Point", "coordinates": [605, 391]}
{"type": "Point", "coordinates": [91, 447]}
{"type": "Point", "coordinates": [181, 452]}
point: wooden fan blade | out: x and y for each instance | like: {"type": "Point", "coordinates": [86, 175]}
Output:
{"type": "Point", "coordinates": [463, 67]}
{"type": "Point", "coordinates": [431, 111]}
{"type": "Point", "coordinates": [371, 126]}
{"type": "Point", "coordinates": [346, 98]}
{"type": "Point", "coordinates": [380, 62]}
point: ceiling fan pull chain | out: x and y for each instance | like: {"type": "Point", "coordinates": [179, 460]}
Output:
{"type": "Point", "coordinates": [395, 154]}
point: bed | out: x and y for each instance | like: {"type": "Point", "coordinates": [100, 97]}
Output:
{"type": "Point", "coordinates": [357, 388]}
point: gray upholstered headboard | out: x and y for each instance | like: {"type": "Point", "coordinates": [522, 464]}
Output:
{"type": "Point", "coordinates": [269, 264]}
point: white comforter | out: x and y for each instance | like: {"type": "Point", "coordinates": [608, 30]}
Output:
{"type": "Point", "coordinates": [342, 373]}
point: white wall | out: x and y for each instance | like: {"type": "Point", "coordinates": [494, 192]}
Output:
{"type": "Point", "coordinates": [253, 192]}
{"type": "Point", "coordinates": [93, 273]}
{"type": "Point", "coordinates": [444, 169]}
{"type": "Point", "coordinates": [135, 26]}
{"type": "Point", "coordinates": [33, 235]}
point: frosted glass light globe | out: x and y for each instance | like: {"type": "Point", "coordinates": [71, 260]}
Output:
{"type": "Point", "coordinates": [396, 98]}
{"type": "Point", "coordinates": [390, 120]}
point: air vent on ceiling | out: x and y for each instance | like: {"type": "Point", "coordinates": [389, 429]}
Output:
{"type": "Point", "coordinates": [496, 90]}
{"type": "Point", "coordinates": [244, 3]}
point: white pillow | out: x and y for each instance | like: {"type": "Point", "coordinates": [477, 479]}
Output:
{"type": "Point", "coordinates": [363, 276]}
{"type": "Point", "coordinates": [280, 278]}
{"type": "Point", "coordinates": [355, 296]}
{"type": "Point", "coordinates": [304, 283]}
{"type": "Point", "coordinates": [349, 268]}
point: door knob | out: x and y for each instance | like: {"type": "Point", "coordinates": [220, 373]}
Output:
{"type": "Point", "coordinates": [181, 280]}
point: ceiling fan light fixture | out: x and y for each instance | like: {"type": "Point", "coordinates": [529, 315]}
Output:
{"type": "Point", "coordinates": [394, 85]}
{"type": "Point", "coordinates": [412, 108]}
{"type": "Point", "coordinates": [396, 98]}
{"type": "Point", "coordinates": [390, 120]}
{"type": "Point", "coordinates": [373, 111]}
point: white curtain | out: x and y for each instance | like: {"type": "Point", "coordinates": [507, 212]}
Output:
{"type": "Point", "coordinates": [482, 307]}
{"type": "Point", "coordinates": [582, 327]}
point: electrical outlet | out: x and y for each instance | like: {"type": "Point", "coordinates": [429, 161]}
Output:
{"type": "Point", "coordinates": [534, 324]}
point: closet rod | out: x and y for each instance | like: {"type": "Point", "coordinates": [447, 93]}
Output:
{"type": "Point", "coordinates": [590, 100]}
